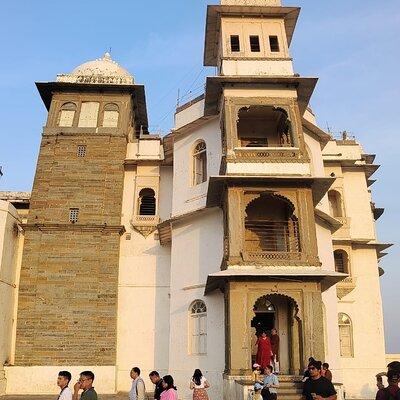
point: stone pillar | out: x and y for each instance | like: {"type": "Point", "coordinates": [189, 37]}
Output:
{"type": "Point", "coordinates": [313, 334]}
{"type": "Point", "coordinates": [237, 343]}
{"type": "Point", "coordinates": [3, 382]}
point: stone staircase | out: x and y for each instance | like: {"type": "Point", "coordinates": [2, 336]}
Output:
{"type": "Point", "coordinates": [290, 388]}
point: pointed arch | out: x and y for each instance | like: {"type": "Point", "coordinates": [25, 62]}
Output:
{"type": "Point", "coordinates": [271, 225]}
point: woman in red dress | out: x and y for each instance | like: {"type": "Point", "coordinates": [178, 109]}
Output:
{"type": "Point", "coordinates": [264, 351]}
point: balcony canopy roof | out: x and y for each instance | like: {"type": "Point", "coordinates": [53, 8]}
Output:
{"type": "Point", "coordinates": [295, 274]}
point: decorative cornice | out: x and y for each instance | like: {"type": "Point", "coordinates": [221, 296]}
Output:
{"type": "Point", "coordinates": [120, 229]}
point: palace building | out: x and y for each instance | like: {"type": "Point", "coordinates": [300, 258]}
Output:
{"type": "Point", "coordinates": [170, 252]}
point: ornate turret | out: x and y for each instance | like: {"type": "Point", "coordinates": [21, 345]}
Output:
{"type": "Point", "coordinates": [250, 37]}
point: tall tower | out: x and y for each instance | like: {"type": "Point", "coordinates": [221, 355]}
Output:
{"type": "Point", "coordinates": [272, 273]}
{"type": "Point", "coordinates": [67, 310]}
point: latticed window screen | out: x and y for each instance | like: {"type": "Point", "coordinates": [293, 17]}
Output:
{"type": "Point", "coordinates": [111, 115]}
{"type": "Point", "coordinates": [147, 202]}
{"type": "Point", "coordinates": [345, 335]}
{"type": "Point", "coordinates": [340, 261]}
{"type": "Point", "coordinates": [81, 151]}
{"type": "Point", "coordinates": [73, 215]}
{"type": "Point", "coordinates": [198, 328]}
{"type": "Point", "coordinates": [89, 114]}
{"type": "Point", "coordinates": [67, 114]}
{"type": "Point", "coordinates": [200, 163]}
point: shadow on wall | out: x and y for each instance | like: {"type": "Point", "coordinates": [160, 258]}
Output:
{"type": "Point", "coordinates": [367, 392]}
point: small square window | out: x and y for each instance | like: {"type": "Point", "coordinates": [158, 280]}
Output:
{"type": "Point", "coordinates": [81, 151]}
{"type": "Point", "coordinates": [274, 44]}
{"type": "Point", "coordinates": [235, 43]}
{"type": "Point", "coordinates": [73, 215]}
{"type": "Point", "coordinates": [254, 44]}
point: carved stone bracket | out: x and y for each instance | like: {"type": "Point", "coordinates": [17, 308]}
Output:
{"type": "Point", "coordinates": [145, 230]}
{"type": "Point", "coordinates": [345, 287]}
{"type": "Point", "coordinates": [145, 224]}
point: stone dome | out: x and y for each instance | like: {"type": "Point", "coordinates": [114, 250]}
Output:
{"type": "Point", "coordinates": [103, 70]}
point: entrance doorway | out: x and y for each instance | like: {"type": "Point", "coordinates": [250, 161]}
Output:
{"type": "Point", "coordinates": [279, 312]}
{"type": "Point", "coordinates": [264, 318]}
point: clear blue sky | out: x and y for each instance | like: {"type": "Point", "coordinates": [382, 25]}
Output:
{"type": "Point", "coordinates": [352, 46]}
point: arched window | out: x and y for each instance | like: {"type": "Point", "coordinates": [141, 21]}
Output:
{"type": "Point", "coordinates": [147, 202]}
{"type": "Point", "coordinates": [200, 163]}
{"type": "Point", "coordinates": [67, 114]}
{"type": "Point", "coordinates": [335, 204]}
{"type": "Point", "coordinates": [341, 261]}
{"type": "Point", "coordinates": [345, 335]}
{"type": "Point", "coordinates": [111, 115]}
{"type": "Point", "coordinates": [271, 226]}
{"type": "Point", "coordinates": [198, 327]}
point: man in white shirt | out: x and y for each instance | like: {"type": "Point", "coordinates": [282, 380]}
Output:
{"type": "Point", "coordinates": [63, 380]}
{"type": "Point", "coordinates": [138, 390]}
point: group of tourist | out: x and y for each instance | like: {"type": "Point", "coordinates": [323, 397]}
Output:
{"type": "Point", "coordinates": [164, 388]}
{"type": "Point", "coordinates": [84, 384]}
{"type": "Point", "coordinates": [317, 382]}
{"type": "Point", "coordinates": [392, 390]}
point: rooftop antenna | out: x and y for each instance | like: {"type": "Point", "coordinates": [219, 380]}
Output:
{"type": "Point", "coordinates": [177, 100]}
{"type": "Point", "coordinates": [328, 128]}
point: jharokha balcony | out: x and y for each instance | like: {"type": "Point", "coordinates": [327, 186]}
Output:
{"type": "Point", "coordinates": [272, 240]}
{"type": "Point", "coordinates": [272, 232]}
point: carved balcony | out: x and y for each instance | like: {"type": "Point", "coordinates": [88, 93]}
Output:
{"type": "Point", "coordinates": [273, 242]}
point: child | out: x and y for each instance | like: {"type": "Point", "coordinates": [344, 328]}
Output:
{"type": "Point", "coordinates": [256, 373]}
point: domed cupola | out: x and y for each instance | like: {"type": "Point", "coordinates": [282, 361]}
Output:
{"type": "Point", "coordinates": [101, 71]}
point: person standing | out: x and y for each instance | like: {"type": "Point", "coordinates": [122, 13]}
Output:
{"type": "Point", "coordinates": [199, 384]}
{"type": "Point", "coordinates": [275, 349]}
{"type": "Point", "coordinates": [64, 377]}
{"type": "Point", "coordinates": [158, 382]}
{"type": "Point", "coordinates": [170, 392]}
{"type": "Point", "coordinates": [317, 387]}
{"type": "Point", "coordinates": [271, 384]}
{"type": "Point", "coordinates": [85, 383]}
{"type": "Point", "coordinates": [263, 351]}
{"type": "Point", "coordinates": [326, 372]}
{"type": "Point", "coordinates": [392, 392]}
{"type": "Point", "coordinates": [138, 389]}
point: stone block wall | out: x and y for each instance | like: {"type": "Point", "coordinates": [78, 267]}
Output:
{"type": "Point", "coordinates": [67, 310]}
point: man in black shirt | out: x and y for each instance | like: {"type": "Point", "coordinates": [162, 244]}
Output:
{"type": "Point", "coordinates": [156, 380]}
{"type": "Point", "coordinates": [318, 387]}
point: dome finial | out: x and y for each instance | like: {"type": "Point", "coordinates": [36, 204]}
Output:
{"type": "Point", "coordinates": [107, 55]}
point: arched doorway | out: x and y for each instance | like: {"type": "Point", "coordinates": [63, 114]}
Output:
{"type": "Point", "coordinates": [280, 312]}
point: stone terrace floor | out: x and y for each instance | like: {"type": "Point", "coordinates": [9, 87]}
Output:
{"type": "Point", "coordinates": [119, 396]}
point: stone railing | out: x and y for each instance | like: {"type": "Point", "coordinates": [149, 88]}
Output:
{"type": "Point", "coordinates": [145, 220]}
{"type": "Point", "coordinates": [95, 79]}
{"type": "Point", "coordinates": [266, 154]}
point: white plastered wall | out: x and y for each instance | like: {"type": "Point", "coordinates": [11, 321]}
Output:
{"type": "Point", "coordinates": [186, 196]}
{"type": "Point", "coordinates": [364, 306]}
{"type": "Point", "coordinates": [331, 331]}
{"type": "Point", "coordinates": [143, 295]}
{"type": "Point", "coordinates": [197, 246]}
{"type": "Point", "coordinates": [9, 250]}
